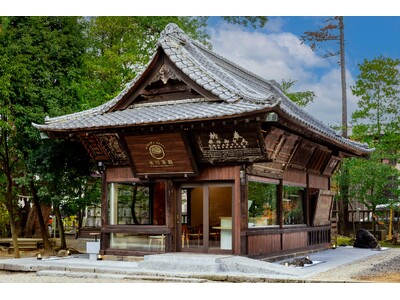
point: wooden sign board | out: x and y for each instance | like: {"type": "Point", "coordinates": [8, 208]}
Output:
{"type": "Point", "coordinates": [161, 154]}
{"type": "Point", "coordinates": [323, 208]}
{"type": "Point", "coordinates": [240, 144]}
{"type": "Point", "coordinates": [331, 165]}
{"type": "Point", "coordinates": [105, 147]}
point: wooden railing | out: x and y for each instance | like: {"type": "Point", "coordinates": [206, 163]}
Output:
{"type": "Point", "coordinates": [271, 241]}
{"type": "Point", "coordinates": [318, 236]}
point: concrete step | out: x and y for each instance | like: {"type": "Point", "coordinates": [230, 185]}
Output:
{"type": "Point", "coordinates": [184, 262]}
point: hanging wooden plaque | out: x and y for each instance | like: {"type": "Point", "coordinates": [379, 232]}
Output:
{"type": "Point", "coordinates": [161, 154]}
{"type": "Point", "coordinates": [237, 144]}
{"type": "Point", "coordinates": [323, 208]}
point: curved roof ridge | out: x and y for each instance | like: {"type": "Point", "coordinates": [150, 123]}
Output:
{"type": "Point", "coordinates": [233, 64]}
{"type": "Point", "coordinates": [187, 46]}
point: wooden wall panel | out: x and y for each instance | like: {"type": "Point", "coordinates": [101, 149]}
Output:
{"type": "Point", "coordinates": [295, 177]}
{"type": "Point", "coordinates": [120, 174]}
{"type": "Point", "coordinates": [219, 173]}
{"type": "Point", "coordinates": [318, 181]}
{"type": "Point", "coordinates": [263, 244]}
{"type": "Point", "coordinates": [294, 240]}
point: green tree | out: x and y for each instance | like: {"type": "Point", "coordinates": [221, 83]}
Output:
{"type": "Point", "coordinates": [40, 63]}
{"type": "Point", "coordinates": [371, 182]}
{"type": "Point", "coordinates": [301, 98]}
{"type": "Point", "coordinates": [63, 177]}
{"type": "Point", "coordinates": [378, 87]}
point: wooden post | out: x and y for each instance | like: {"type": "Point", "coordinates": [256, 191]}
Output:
{"type": "Point", "coordinates": [243, 210]}
{"type": "Point", "coordinates": [279, 205]}
{"type": "Point", "coordinates": [171, 216]}
{"type": "Point", "coordinates": [105, 238]}
{"type": "Point", "coordinates": [307, 208]}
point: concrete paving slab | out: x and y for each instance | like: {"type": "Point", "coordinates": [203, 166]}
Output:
{"type": "Point", "coordinates": [188, 265]}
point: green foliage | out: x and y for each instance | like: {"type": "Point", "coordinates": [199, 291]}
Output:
{"type": "Point", "coordinates": [63, 174]}
{"type": "Point", "coordinates": [302, 98]}
{"type": "Point", "coordinates": [4, 222]}
{"type": "Point", "coordinates": [252, 21]}
{"type": "Point", "coordinates": [262, 195]}
{"type": "Point", "coordinates": [40, 65]}
{"type": "Point", "coordinates": [377, 87]}
{"type": "Point", "coordinates": [345, 240]}
{"type": "Point", "coordinates": [370, 181]}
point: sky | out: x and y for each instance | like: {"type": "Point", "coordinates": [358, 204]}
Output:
{"type": "Point", "coordinates": [274, 52]}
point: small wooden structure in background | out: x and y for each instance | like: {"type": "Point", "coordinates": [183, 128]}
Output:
{"type": "Point", "coordinates": [183, 143]}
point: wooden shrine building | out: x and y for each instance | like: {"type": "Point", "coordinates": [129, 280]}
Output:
{"type": "Point", "coordinates": [200, 155]}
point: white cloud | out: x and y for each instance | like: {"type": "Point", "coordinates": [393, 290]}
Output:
{"type": "Point", "coordinates": [280, 56]}
{"type": "Point", "coordinates": [275, 24]}
{"type": "Point", "coordinates": [327, 106]}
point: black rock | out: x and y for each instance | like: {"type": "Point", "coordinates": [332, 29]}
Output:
{"type": "Point", "coordinates": [364, 239]}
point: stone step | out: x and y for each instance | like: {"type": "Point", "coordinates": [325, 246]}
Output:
{"type": "Point", "coordinates": [185, 262]}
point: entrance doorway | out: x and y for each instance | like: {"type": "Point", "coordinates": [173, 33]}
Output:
{"type": "Point", "coordinates": [206, 217]}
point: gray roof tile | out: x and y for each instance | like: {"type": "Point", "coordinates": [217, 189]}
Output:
{"type": "Point", "coordinates": [238, 89]}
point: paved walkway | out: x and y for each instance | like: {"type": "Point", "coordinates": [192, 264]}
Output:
{"type": "Point", "coordinates": [188, 267]}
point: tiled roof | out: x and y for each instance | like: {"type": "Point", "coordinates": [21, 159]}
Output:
{"type": "Point", "coordinates": [168, 111]}
{"type": "Point", "coordinates": [238, 90]}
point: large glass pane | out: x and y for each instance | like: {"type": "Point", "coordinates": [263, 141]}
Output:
{"type": "Point", "coordinates": [192, 228]}
{"type": "Point", "coordinates": [220, 217]}
{"type": "Point", "coordinates": [262, 204]}
{"type": "Point", "coordinates": [136, 204]}
{"type": "Point", "coordinates": [138, 242]}
{"type": "Point", "coordinates": [293, 205]}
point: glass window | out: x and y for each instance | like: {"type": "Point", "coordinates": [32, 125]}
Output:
{"type": "Point", "coordinates": [262, 204]}
{"type": "Point", "coordinates": [138, 242]}
{"type": "Point", "coordinates": [293, 205]}
{"type": "Point", "coordinates": [136, 204]}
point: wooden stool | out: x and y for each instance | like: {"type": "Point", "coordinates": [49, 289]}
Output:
{"type": "Point", "coordinates": [185, 236]}
{"type": "Point", "coordinates": [159, 239]}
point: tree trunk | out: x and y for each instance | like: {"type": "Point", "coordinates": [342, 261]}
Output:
{"type": "Point", "coordinates": [133, 204]}
{"type": "Point", "coordinates": [14, 233]}
{"type": "Point", "coordinates": [343, 78]}
{"type": "Point", "coordinates": [43, 227]}
{"type": "Point", "coordinates": [9, 196]}
{"type": "Point", "coordinates": [343, 201]}
{"type": "Point", "coordinates": [60, 226]}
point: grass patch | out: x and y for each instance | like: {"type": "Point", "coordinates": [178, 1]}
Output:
{"type": "Point", "coordinates": [345, 240]}
{"type": "Point", "coordinates": [349, 241]}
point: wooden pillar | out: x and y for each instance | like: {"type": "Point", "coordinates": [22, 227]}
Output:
{"type": "Point", "coordinates": [104, 237]}
{"type": "Point", "coordinates": [279, 212]}
{"type": "Point", "coordinates": [243, 186]}
{"type": "Point", "coordinates": [307, 202]}
{"type": "Point", "coordinates": [171, 215]}
{"type": "Point", "coordinates": [279, 199]}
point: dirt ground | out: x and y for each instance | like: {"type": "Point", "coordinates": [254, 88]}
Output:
{"type": "Point", "coordinates": [72, 243]}
{"type": "Point", "coordinates": [387, 278]}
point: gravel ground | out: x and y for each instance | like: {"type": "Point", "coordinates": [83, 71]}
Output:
{"type": "Point", "coordinates": [382, 267]}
